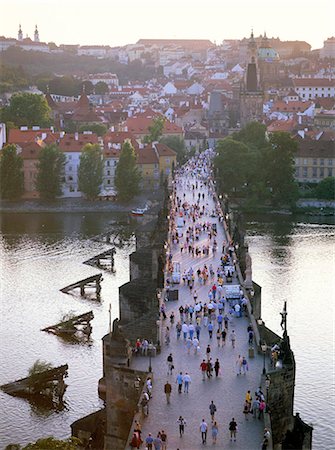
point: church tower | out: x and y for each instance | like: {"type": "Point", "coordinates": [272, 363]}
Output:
{"type": "Point", "coordinates": [36, 35]}
{"type": "Point", "coordinates": [20, 34]}
{"type": "Point", "coordinates": [251, 96]}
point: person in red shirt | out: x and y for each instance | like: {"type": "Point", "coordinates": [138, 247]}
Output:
{"type": "Point", "coordinates": [203, 367]}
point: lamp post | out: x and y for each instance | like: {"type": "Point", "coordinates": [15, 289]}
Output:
{"type": "Point", "coordinates": [264, 348]}
{"type": "Point", "coordinates": [150, 368]}
{"type": "Point", "coordinates": [267, 385]}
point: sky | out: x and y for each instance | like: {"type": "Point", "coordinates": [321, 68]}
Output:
{"type": "Point", "coordinates": [111, 22]}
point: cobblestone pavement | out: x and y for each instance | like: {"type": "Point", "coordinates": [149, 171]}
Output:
{"type": "Point", "coordinates": [227, 390]}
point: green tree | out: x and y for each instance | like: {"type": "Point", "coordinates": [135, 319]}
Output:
{"type": "Point", "coordinates": [49, 443]}
{"type": "Point", "coordinates": [11, 174]}
{"type": "Point", "coordinates": [178, 145]}
{"type": "Point", "coordinates": [155, 130]}
{"type": "Point", "coordinates": [50, 172]}
{"type": "Point", "coordinates": [101, 88]}
{"type": "Point", "coordinates": [99, 128]}
{"type": "Point", "coordinates": [326, 189]}
{"type": "Point", "coordinates": [127, 176]}
{"type": "Point", "coordinates": [27, 109]}
{"type": "Point", "coordinates": [280, 168]}
{"type": "Point", "coordinates": [231, 164]}
{"type": "Point", "coordinates": [90, 171]}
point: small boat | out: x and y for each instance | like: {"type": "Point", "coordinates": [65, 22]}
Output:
{"type": "Point", "coordinates": [138, 211]}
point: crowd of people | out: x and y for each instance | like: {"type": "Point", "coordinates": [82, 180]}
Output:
{"type": "Point", "coordinates": [204, 321]}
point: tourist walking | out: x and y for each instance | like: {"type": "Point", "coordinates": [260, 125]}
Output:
{"type": "Point", "coordinates": [167, 391]}
{"type": "Point", "coordinates": [232, 429]}
{"type": "Point", "coordinates": [170, 365]}
{"type": "Point", "coordinates": [158, 442]}
{"type": "Point", "coordinates": [238, 365]}
{"type": "Point", "coordinates": [179, 381]}
{"type": "Point", "coordinates": [244, 365]}
{"type": "Point", "coordinates": [203, 430]}
{"type": "Point", "coordinates": [215, 431]}
{"type": "Point", "coordinates": [203, 367]}
{"type": "Point", "coordinates": [149, 441]}
{"type": "Point", "coordinates": [187, 381]}
{"type": "Point", "coordinates": [217, 367]}
{"type": "Point", "coordinates": [208, 351]}
{"type": "Point", "coordinates": [212, 409]}
{"type": "Point", "coordinates": [181, 423]}
{"type": "Point", "coordinates": [164, 440]}
{"type": "Point", "coordinates": [232, 337]}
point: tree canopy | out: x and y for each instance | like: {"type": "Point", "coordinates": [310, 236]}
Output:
{"type": "Point", "coordinates": [326, 189]}
{"type": "Point", "coordinates": [98, 128]}
{"type": "Point", "coordinates": [101, 88]}
{"type": "Point", "coordinates": [178, 145]}
{"type": "Point", "coordinates": [251, 165]}
{"type": "Point", "coordinates": [11, 174]}
{"type": "Point", "coordinates": [27, 109]}
{"type": "Point", "coordinates": [155, 130]}
{"type": "Point", "coordinates": [49, 443]}
{"type": "Point", "coordinates": [50, 172]}
{"type": "Point", "coordinates": [90, 171]}
{"type": "Point", "coordinates": [127, 176]}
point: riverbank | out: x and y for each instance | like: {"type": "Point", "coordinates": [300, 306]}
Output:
{"type": "Point", "coordinates": [74, 205]}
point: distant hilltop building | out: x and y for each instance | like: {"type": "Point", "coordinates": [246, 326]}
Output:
{"type": "Point", "coordinates": [328, 49]}
{"type": "Point", "coordinates": [25, 43]}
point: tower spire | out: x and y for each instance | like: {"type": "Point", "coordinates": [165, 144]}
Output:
{"type": "Point", "coordinates": [20, 34]}
{"type": "Point", "coordinates": [36, 35]}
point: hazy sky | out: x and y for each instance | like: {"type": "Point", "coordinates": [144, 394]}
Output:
{"type": "Point", "coordinates": [125, 21]}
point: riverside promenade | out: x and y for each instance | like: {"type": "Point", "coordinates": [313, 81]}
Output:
{"type": "Point", "coordinates": [228, 390]}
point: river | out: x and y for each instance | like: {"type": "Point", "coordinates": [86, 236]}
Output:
{"type": "Point", "coordinates": [294, 260]}
{"type": "Point", "coordinates": [43, 252]}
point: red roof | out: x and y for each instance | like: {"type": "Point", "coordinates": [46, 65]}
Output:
{"type": "Point", "coordinates": [164, 150]}
{"type": "Point", "coordinates": [118, 137]}
{"type": "Point", "coordinates": [30, 150]}
{"type": "Point", "coordinates": [294, 106]}
{"type": "Point", "coordinates": [69, 144]}
{"type": "Point", "coordinates": [16, 136]}
{"type": "Point", "coordinates": [314, 82]}
{"type": "Point", "coordinates": [147, 155]}
{"type": "Point", "coordinates": [282, 125]}
{"type": "Point", "coordinates": [140, 125]}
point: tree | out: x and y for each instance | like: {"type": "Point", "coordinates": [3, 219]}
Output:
{"type": "Point", "coordinates": [49, 443]}
{"type": "Point", "coordinates": [326, 189]}
{"type": "Point", "coordinates": [127, 176]}
{"type": "Point", "coordinates": [155, 130]}
{"type": "Point", "coordinates": [27, 109]}
{"type": "Point", "coordinates": [90, 171]}
{"type": "Point", "coordinates": [98, 128]}
{"type": "Point", "coordinates": [178, 145]}
{"type": "Point", "coordinates": [231, 164]}
{"type": "Point", "coordinates": [280, 168]}
{"type": "Point", "coordinates": [50, 172]}
{"type": "Point", "coordinates": [101, 88]}
{"type": "Point", "coordinates": [11, 174]}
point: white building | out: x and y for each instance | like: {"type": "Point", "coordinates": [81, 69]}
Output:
{"type": "Point", "coordinates": [311, 88]}
{"type": "Point", "coordinates": [110, 79]}
{"type": "Point", "coordinates": [2, 135]}
{"type": "Point", "coordinates": [98, 51]}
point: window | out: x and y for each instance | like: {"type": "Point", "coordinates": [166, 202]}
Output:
{"type": "Point", "coordinates": [322, 162]}
{"type": "Point", "coordinates": [71, 188]}
{"type": "Point", "coordinates": [297, 172]}
{"type": "Point", "coordinates": [322, 172]}
{"type": "Point", "coordinates": [70, 157]}
{"type": "Point", "coordinates": [108, 181]}
{"type": "Point", "coordinates": [115, 163]}
{"type": "Point", "coordinates": [108, 163]}
{"type": "Point", "coordinates": [71, 179]}
{"type": "Point", "coordinates": [70, 168]}
{"type": "Point", "coordinates": [108, 172]}
{"type": "Point", "coordinates": [330, 162]}
{"type": "Point", "coordinates": [330, 172]}
{"type": "Point", "coordinates": [304, 172]}
{"type": "Point", "coordinates": [305, 162]}
{"type": "Point", "coordinates": [315, 161]}
{"type": "Point", "coordinates": [314, 172]}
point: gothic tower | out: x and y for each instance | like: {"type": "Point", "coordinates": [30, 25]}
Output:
{"type": "Point", "coordinates": [36, 35]}
{"type": "Point", "coordinates": [20, 34]}
{"type": "Point", "coordinates": [251, 96]}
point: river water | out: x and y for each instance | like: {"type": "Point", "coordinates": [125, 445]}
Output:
{"type": "Point", "coordinates": [295, 261]}
{"type": "Point", "coordinates": [43, 252]}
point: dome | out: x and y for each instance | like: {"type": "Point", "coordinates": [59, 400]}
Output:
{"type": "Point", "coordinates": [268, 54]}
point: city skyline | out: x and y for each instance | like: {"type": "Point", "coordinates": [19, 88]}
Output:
{"type": "Point", "coordinates": [121, 24]}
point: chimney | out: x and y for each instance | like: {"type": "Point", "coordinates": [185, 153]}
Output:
{"type": "Point", "coordinates": [44, 135]}
{"type": "Point", "coordinates": [24, 128]}
{"type": "Point", "coordinates": [109, 145]}
{"type": "Point", "coordinates": [112, 129]}
{"type": "Point", "coordinates": [62, 134]}
{"type": "Point", "coordinates": [76, 136]}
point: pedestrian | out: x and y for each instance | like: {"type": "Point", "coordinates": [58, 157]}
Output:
{"type": "Point", "coordinates": [170, 364]}
{"type": "Point", "coordinates": [197, 330]}
{"type": "Point", "coordinates": [167, 390]}
{"type": "Point", "coordinates": [218, 336]}
{"type": "Point", "coordinates": [224, 335]}
{"type": "Point", "coordinates": [215, 431]}
{"type": "Point", "coordinates": [203, 367]}
{"type": "Point", "coordinates": [149, 440]}
{"type": "Point", "coordinates": [158, 442]}
{"type": "Point", "coordinates": [248, 399]}
{"type": "Point", "coordinates": [145, 403]}
{"type": "Point", "coordinates": [232, 337]}
{"type": "Point", "coordinates": [261, 409]}
{"type": "Point", "coordinates": [210, 330]}
{"type": "Point", "coordinates": [238, 365]}
{"type": "Point", "coordinates": [255, 407]}
{"type": "Point", "coordinates": [187, 381]}
{"type": "Point", "coordinates": [149, 386]}
{"type": "Point", "coordinates": [179, 381]}
{"type": "Point", "coordinates": [208, 351]}
{"type": "Point", "coordinates": [217, 367]}
{"type": "Point", "coordinates": [184, 330]}
{"type": "Point", "coordinates": [203, 430]}
{"type": "Point", "coordinates": [167, 336]}
{"type": "Point", "coordinates": [164, 440]}
{"type": "Point", "coordinates": [246, 410]}
{"type": "Point", "coordinates": [182, 423]}
{"type": "Point", "coordinates": [244, 365]}
{"type": "Point", "coordinates": [195, 343]}
{"type": "Point", "coordinates": [212, 409]}
{"type": "Point", "coordinates": [178, 329]}
{"type": "Point", "coordinates": [209, 368]}
{"type": "Point", "coordinates": [232, 429]}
